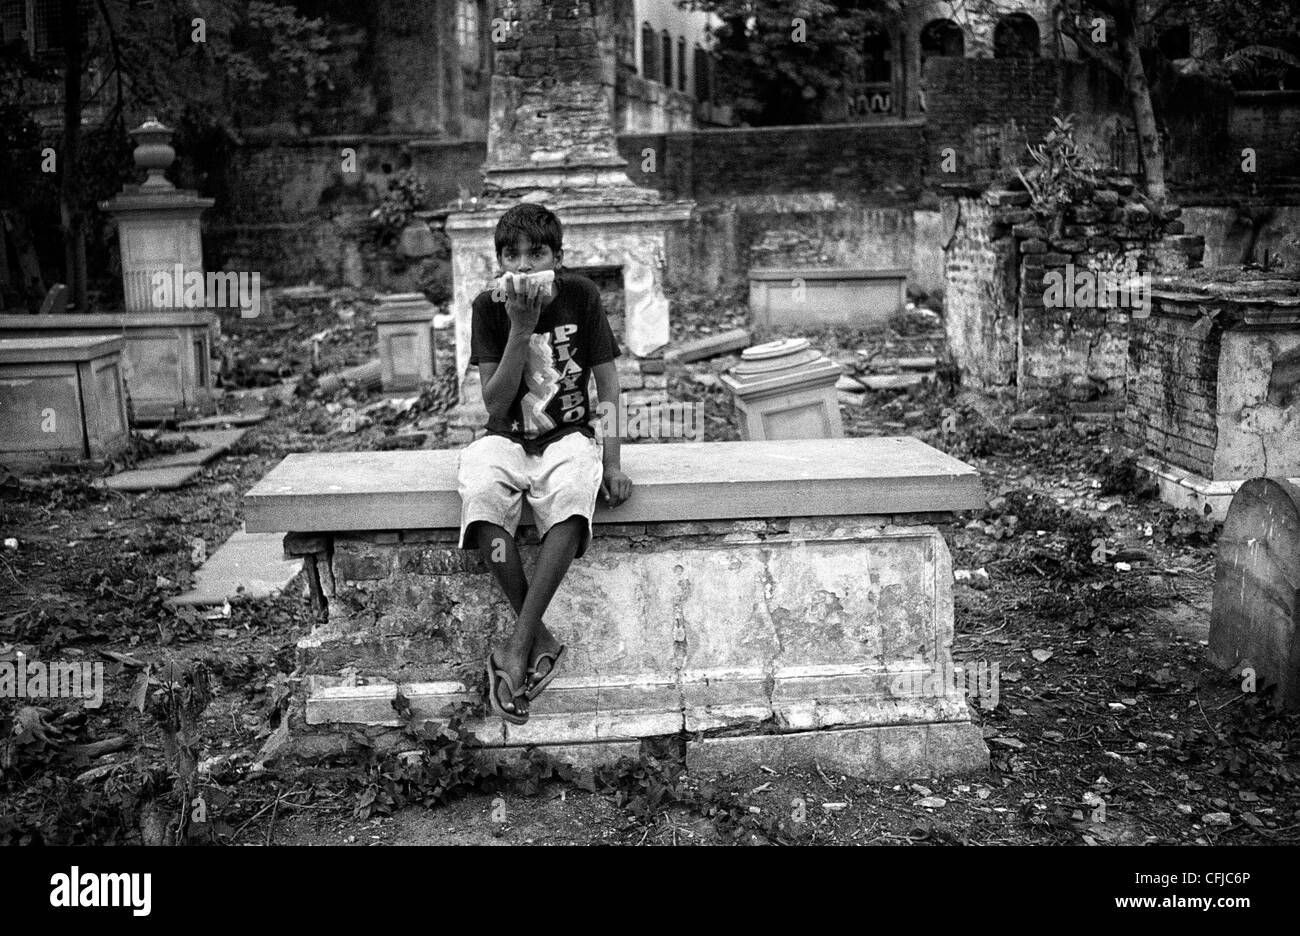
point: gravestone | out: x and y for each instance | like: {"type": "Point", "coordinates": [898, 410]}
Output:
{"type": "Point", "coordinates": [1257, 589]}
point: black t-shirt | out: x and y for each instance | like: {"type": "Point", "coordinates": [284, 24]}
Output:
{"type": "Point", "coordinates": [572, 336]}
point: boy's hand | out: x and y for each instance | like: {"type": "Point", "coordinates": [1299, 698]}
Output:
{"type": "Point", "coordinates": [523, 308]}
{"type": "Point", "coordinates": [616, 486]}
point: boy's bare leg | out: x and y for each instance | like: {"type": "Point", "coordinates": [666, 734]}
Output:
{"type": "Point", "coordinates": [553, 560]}
{"type": "Point", "coordinates": [493, 541]}
{"type": "Point", "coordinates": [502, 557]}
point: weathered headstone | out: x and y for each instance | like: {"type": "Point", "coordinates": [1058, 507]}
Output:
{"type": "Point", "coordinates": [1257, 590]}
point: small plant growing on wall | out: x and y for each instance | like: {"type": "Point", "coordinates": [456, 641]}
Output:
{"type": "Point", "coordinates": [1063, 171]}
{"type": "Point", "coordinates": [407, 193]}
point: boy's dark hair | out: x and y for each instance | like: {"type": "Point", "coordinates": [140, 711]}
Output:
{"type": "Point", "coordinates": [537, 223]}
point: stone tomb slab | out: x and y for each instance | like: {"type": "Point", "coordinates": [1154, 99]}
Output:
{"type": "Point", "coordinates": [165, 362]}
{"type": "Point", "coordinates": [224, 420]}
{"type": "Point", "coordinates": [211, 444]}
{"type": "Point", "coordinates": [793, 625]}
{"type": "Point", "coordinates": [329, 492]}
{"type": "Point", "coordinates": [251, 565]}
{"type": "Point", "coordinates": [61, 399]}
{"type": "Point", "coordinates": [152, 479]}
{"type": "Point", "coordinates": [794, 297]}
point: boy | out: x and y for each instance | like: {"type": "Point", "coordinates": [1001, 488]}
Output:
{"type": "Point", "coordinates": [535, 354]}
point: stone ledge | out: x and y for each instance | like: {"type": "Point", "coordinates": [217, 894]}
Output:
{"type": "Point", "coordinates": [1186, 489]}
{"type": "Point", "coordinates": [692, 481]}
{"type": "Point", "coordinates": [876, 752]}
{"type": "Point", "coordinates": [870, 751]}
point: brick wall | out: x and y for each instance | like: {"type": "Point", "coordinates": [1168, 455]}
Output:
{"type": "Point", "coordinates": [875, 163]}
{"type": "Point", "coordinates": [1269, 122]}
{"type": "Point", "coordinates": [986, 110]}
{"type": "Point", "coordinates": [1084, 350]}
{"type": "Point", "coordinates": [1003, 326]}
{"type": "Point", "coordinates": [817, 196]}
{"type": "Point", "coordinates": [1173, 390]}
{"type": "Point", "coordinates": [287, 208]}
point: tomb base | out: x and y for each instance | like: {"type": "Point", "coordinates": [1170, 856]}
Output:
{"type": "Point", "coordinates": [749, 594]}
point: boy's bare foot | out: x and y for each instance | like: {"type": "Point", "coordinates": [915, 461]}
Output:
{"type": "Point", "coordinates": [514, 659]}
{"type": "Point", "coordinates": [545, 642]}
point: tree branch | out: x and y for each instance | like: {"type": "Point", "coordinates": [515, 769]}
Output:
{"type": "Point", "coordinates": [1066, 25]}
{"type": "Point", "coordinates": [117, 54]}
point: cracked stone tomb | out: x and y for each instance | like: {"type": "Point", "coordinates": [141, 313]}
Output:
{"type": "Point", "coordinates": [778, 600]}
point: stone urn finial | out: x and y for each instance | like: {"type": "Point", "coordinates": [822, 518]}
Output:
{"type": "Point", "coordinates": [153, 152]}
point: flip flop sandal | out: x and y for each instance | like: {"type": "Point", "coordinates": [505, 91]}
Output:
{"type": "Point", "coordinates": [495, 676]}
{"type": "Point", "coordinates": [533, 689]}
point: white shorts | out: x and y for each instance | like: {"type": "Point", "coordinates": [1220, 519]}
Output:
{"type": "Point", "coordinates": [495, 475]}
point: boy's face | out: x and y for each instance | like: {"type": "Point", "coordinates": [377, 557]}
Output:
{"type": "Point", "coordinates": [526, 257]}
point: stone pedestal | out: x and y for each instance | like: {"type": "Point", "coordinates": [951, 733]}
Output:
{"type": "Point", "coordinates": [406, 354]}
{"type": "Point", "coordinates": [61, 399]}
{"type": "Point", "coordinates": [1213, 393]}
{"type": "Point", "coordinates": [797, 298]}
{"type": "Point", "coordinates": [157, 223]}
{"type": "Point", "coordinates": [164, 362]}
{"type": "Point", "coordinates": [786, 390]}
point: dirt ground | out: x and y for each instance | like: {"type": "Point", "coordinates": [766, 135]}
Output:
{"type": "Point", "coordinates": [1093, 599]}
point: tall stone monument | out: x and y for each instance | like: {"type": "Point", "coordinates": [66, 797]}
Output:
{"type": "Point", "coordinates": [157, 223]}
{"type": "Point", "coordinates": [551, 140]}
{"type": "Point", "coordinates": [168, 344]}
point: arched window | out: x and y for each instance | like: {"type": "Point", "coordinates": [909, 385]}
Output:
{"type": "Point", "coordinates": [942, 37]}
{"type": "Point", "coordinates": [681, 63]}
{"type": "Point", "coordinates": [649, 53]}
{"type": "Point", "coordinates": [1175, 42]}
{"type": "Point", "coordinates": [701, 74]}
{"type": "Point", "coordinates": [667, 41]}
{"type": "Point", "coordinates": [467, 37]}
{"type": "Point", "coordinates": [877, 56]}
{"type": "Point", "coordinates": [1015, 36]}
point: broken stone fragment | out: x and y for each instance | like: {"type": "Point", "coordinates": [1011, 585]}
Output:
{"type": "Point", "coordinates": [1006, 198]}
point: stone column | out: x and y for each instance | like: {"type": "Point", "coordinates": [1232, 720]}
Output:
{"type": "Point", "coordinates": [551, 121]}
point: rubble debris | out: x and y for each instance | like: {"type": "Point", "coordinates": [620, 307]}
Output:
{"type": "Point", "coordinates": [736, 339]}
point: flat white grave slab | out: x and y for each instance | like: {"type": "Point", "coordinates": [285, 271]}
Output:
{"type": "Point", "coordinates": [153, 479]}
{"type": "Point", "coordinates": [339, 491]}
{"type": "Point", "coordinates": [248, 564]}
